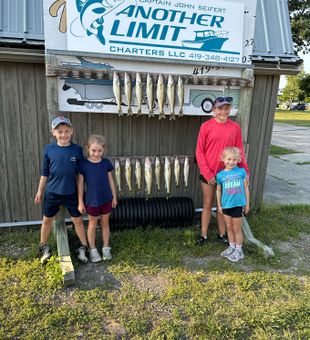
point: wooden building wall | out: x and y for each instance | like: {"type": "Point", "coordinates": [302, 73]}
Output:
{"type": "Point", "coordinates": [24, 130]}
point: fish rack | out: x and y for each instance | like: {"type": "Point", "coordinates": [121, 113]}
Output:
{"type": "Point", "coordinates": [121, 180]}
{"type": "Point", "coordinates": [159, 212]}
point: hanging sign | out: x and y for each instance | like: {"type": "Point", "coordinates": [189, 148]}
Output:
{"type": "Point", "coordinates": [197, 30]}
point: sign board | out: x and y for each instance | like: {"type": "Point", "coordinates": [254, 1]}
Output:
{"type": "Point", "coordinates": [210, 32]}
{"type": "Point", "coordinates": [169, 30]}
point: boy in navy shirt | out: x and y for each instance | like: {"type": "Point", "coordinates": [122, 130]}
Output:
{"type": "Point", "coordinates": [59, 181]}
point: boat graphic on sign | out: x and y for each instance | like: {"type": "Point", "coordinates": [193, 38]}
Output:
{"type": "Point", "coordinates": [207, 40]}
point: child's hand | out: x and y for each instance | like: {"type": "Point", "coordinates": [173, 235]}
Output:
{"type": "Point", "coordinates": [211, 181]}
{"type": "Point", "coordinates": [220, 210]}
{"type": "Point", "coordinates": [38, 198]}
{"type": "Point", "coordinates": [81, 208]}
{"type": "Point", "coordinates": [246, 209]}
{"type": "Point", "coordinates": [114, 202]}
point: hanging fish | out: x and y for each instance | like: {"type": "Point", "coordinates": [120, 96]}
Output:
{"type": "Point", "coordinates": [161, 96]}
{"type": "Point", "coordinates": [180, 95]}
{"type": "Point", "coordinates": [128, 173]}
{"type": "Point", "coordinates": [177, 171]}
{"type": "Point", "coordinates": [127, 85]}
{"type": "Point", "coordinates": [139, 93]}
{"type": "Point", "coordinates": [150, 94]}
{"type": "Point", "coordinates": [117, 168]}
{"type": "Point", "coordinates": [167, 175]}
{"type": "Point", "coordinates": [157, 172]}
{"type": "Point", "coordinates": [186, 171]}
{"type": "Point", "coordinates": [148, 175]}
{"type": "Point", "coordinates": [138, 174]}
{"type": "Point", "coordinates": [117, 92]}
{"type": "Point", "coordinates": [171, 96]}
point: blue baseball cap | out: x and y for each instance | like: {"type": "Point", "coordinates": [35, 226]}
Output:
{"type": "Point", "coordinates": [61, 120]}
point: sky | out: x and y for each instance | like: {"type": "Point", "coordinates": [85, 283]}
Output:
{"type": "Point", "coordinates": [306, 59]}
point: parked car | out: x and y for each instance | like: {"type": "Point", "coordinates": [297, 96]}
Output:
{"type": "Point", "coordinates": [298, 107]}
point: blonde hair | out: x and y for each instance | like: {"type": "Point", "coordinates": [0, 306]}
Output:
{"type": "Point", "coordinates": [231, 150]}
{"type": "Point", "coordinates": [98, 139]}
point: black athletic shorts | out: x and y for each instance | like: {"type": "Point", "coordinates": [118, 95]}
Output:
{"type": "Point", "coordinates": [233, 212]}
{"type": "Point", "coordinates": [52, 202]}
{"type": "Point", "coordinates": [203, 180]}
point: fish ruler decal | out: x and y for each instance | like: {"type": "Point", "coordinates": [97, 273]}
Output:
{"type": "Point", "coordinates": [132, 93]}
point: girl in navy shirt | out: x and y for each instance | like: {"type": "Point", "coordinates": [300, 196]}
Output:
{"type": "Point", "coordinates": [98, 197]}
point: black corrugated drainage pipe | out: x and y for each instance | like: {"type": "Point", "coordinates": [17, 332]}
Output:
{"type": "Point", "coordinates": [159, 211]}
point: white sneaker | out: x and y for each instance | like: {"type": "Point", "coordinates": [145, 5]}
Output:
{"type": "Point", "coordinates": [236, 255]}
{"type": "Point", "coordinates": [94, 255]}
{"type": "Point", "coordinates": [81, 254]}
{"type": "Point", "coordinates": [106, 253]}
{"type": "Point", "coordinates": [227, 251]}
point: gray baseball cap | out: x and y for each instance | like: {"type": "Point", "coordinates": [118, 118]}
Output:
{"type": "Point", "coordinates": [61, 120]}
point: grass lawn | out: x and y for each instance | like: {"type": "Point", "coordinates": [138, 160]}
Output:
{"type": "Point", "coordinates": [276, 151]}
{"type": "Point", "coordinates": [159, 285]}
{"type": "Point", "coordinates": [299, 118]}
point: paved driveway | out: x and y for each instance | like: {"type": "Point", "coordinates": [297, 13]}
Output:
{"type": "Point", "coordinates": [288, 177]}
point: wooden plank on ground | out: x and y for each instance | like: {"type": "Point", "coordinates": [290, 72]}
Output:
{"type": "Point", "coordinates": [67, 270]}
{"type": "Point", "coordinates": [63, 250]}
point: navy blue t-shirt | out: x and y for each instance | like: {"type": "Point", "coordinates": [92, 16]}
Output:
{"type": "Point", "coordinates": [60, 166]}
{"type": "Point", "coordinates": [98, 189]}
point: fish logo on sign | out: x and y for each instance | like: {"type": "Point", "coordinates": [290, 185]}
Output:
{"type": "Point", "coordinates": [91, 16]}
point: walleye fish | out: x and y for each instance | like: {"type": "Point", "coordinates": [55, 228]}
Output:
{"type": "Point", "coordinates": [139, 93]}
{"type": "Point", "coordinates": [180, 92]}
{"type": "Point", "coordinates": [117, 92]}
{"type": "Point", "coordinates": [177, 171]}
{"type": "Point", "coordinates": [157, 172]}
{"type": "Point", "coordinates": [150, 94]}
{"type": "Point", "coordinates": [127, 85]}
{"type": "Point", "coordinates": [171, 96]}
{"type": "Point", "coordinates": [128, 173]}
{"type": "Point", "coordinates": [138, 174]}
{"type": "Point", "coordinates": [167, 175]}
{"type": "Point", "coordinates": [117, 168]}
{"type": "Point", "coordinates": [161, 96]}
{"type": "Point", "coordinates": [186, 171]}
{"type": "Point", "coordinates": [148, 175]}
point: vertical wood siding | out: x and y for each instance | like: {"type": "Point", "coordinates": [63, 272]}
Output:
{"type": "Point", "coordinates": [24, 130]}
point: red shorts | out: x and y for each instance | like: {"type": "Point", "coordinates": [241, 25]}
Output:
{"type": "Point", "coordinates": [103, 209]}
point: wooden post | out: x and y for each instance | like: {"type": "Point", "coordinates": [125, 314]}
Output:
{"type": "Point", "coordinates": [245, 107]}
{"type": "Point", "coordinates": [59, 225]}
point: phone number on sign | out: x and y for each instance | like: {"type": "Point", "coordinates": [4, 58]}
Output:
{"type": "Point", "coordinates": [216, 58]}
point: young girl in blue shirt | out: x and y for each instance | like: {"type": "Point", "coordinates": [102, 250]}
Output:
{"type": "Point", "coordinates": [232, 195]}
{"type": "Point", "coordinates": [98, 197]}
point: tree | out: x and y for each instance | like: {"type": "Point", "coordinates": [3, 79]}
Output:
{"type": "Point", "coordinates": [305, 85]}
{"type": "Point", "coordinates": [300, 23]}
{"type": "Point", "coordinates": [292, 91]}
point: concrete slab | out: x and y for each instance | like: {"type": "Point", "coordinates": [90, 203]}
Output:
{"type": "Point", "coordinates": [291, 137]}
{"type": "Point", "coordinates": [296, 158]}
{"type": "Point", "coordinates": [287, 182]}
